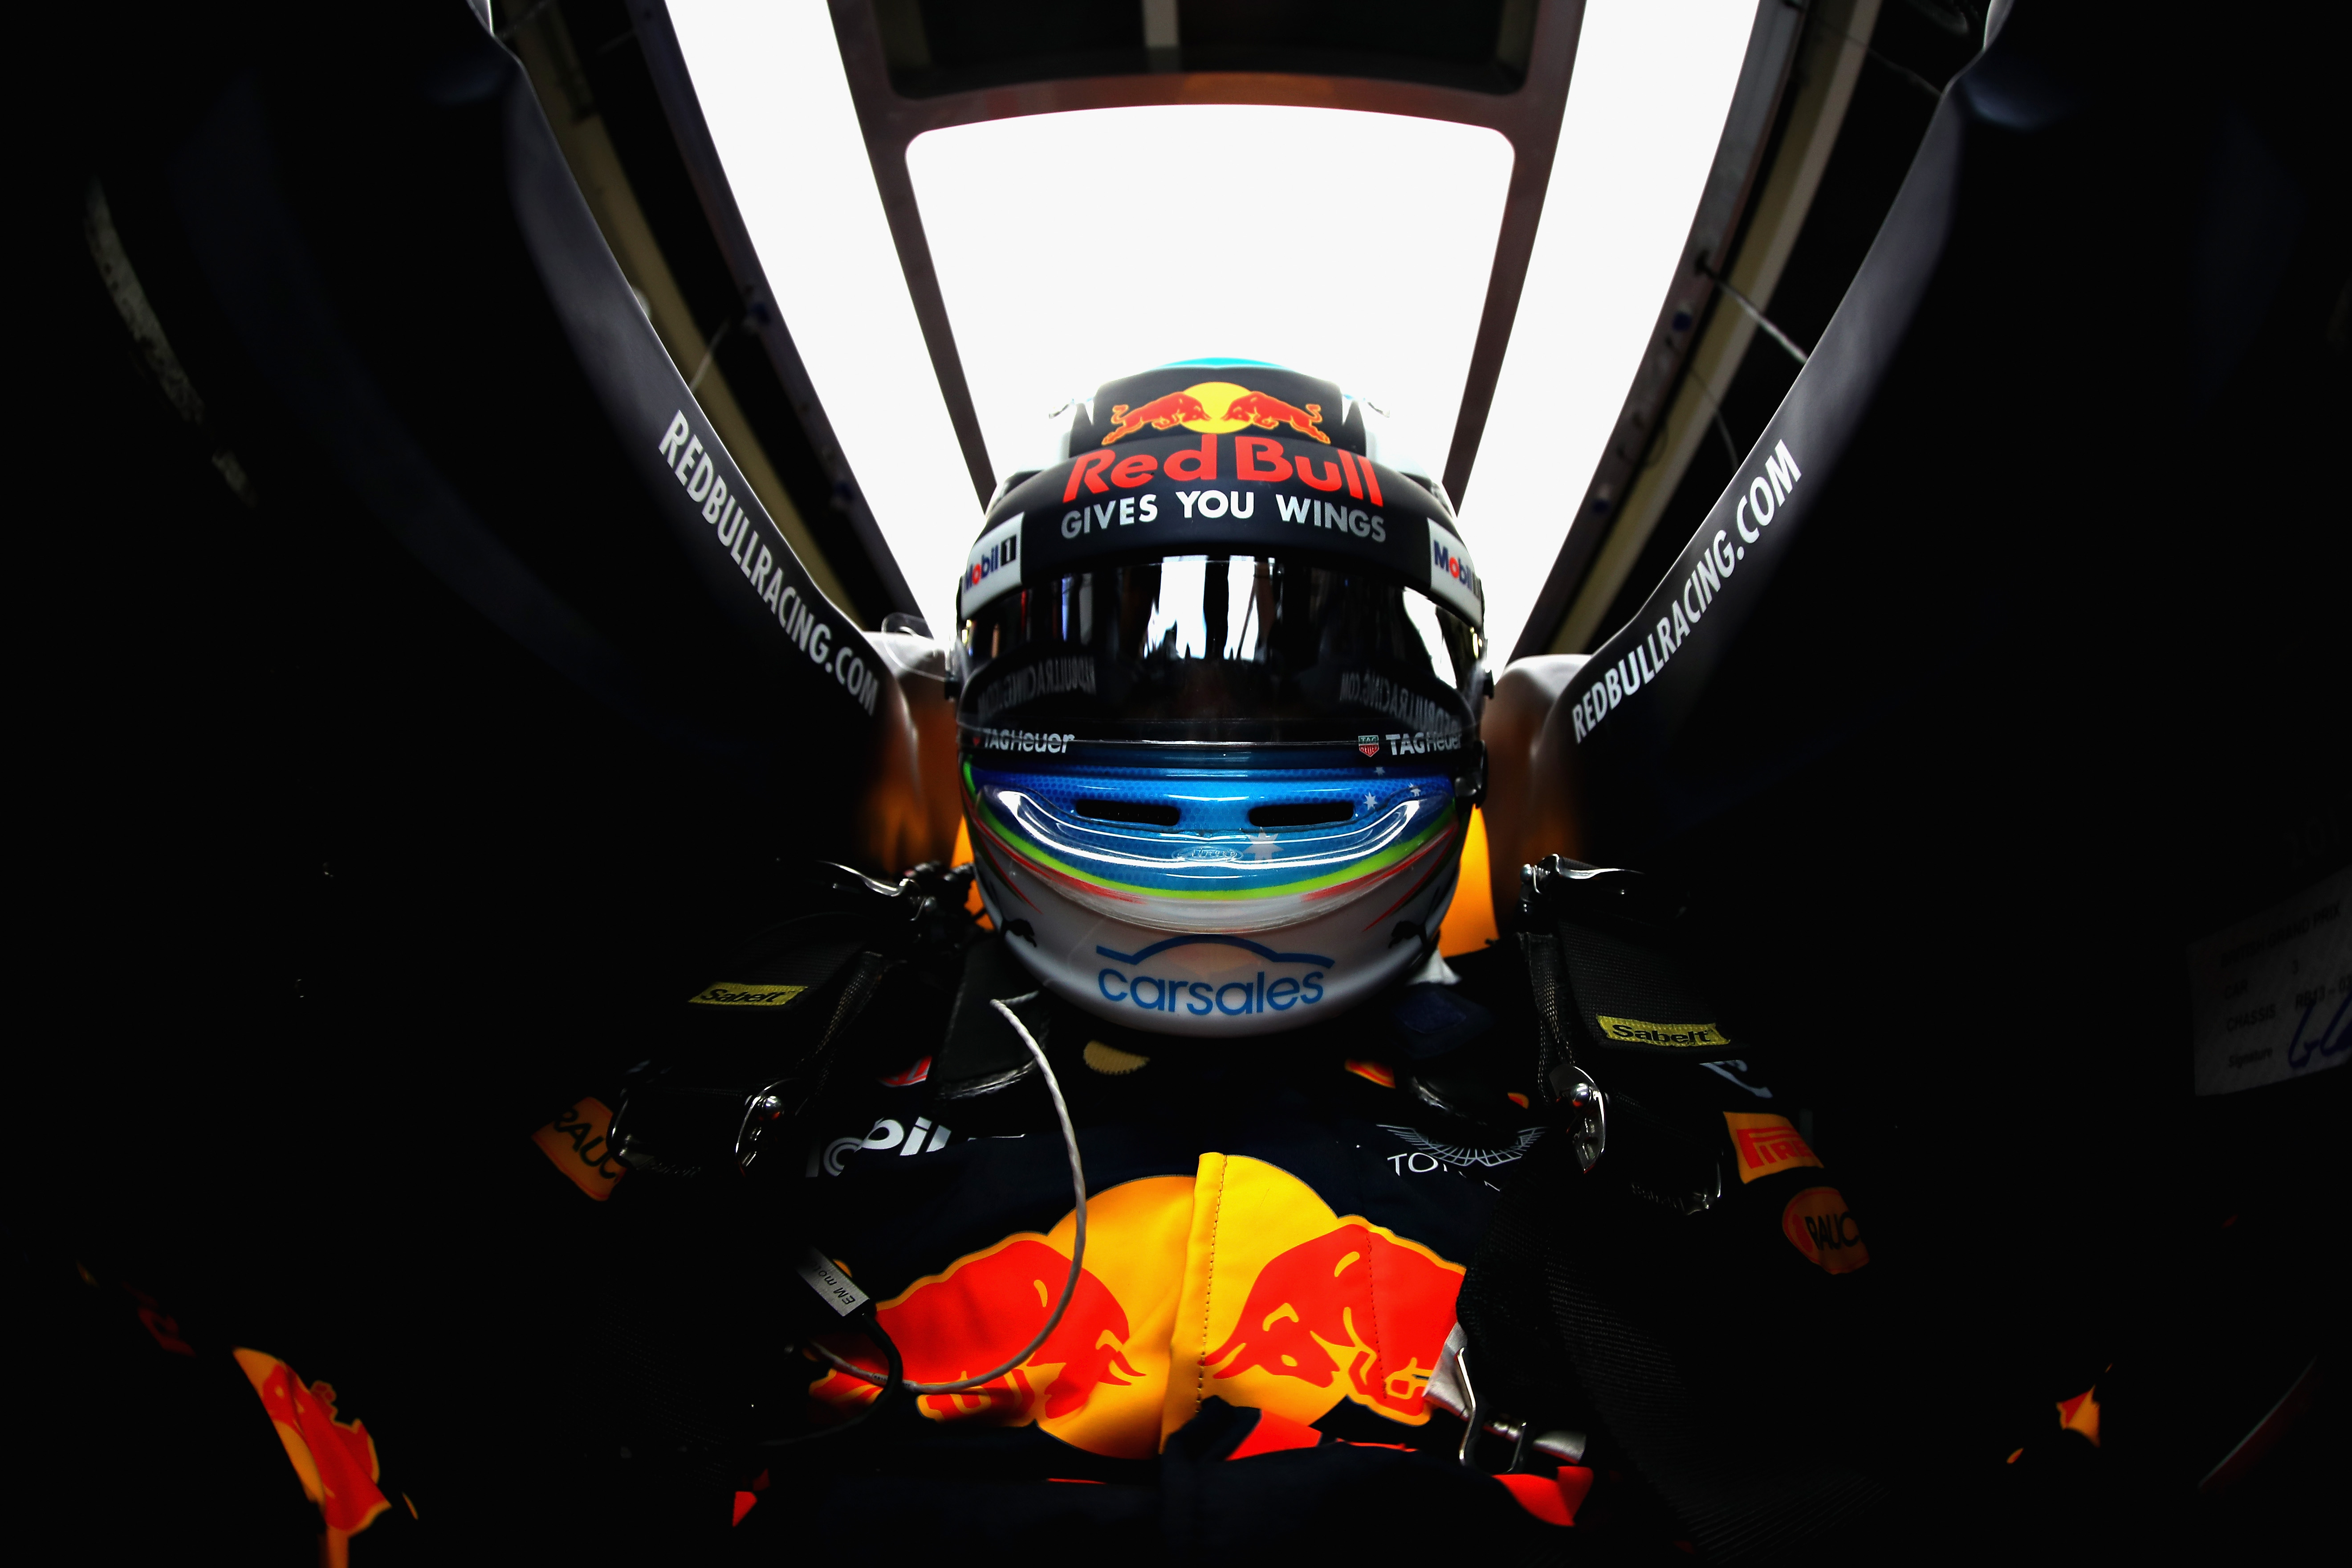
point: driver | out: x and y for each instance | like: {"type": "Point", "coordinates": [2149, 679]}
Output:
{"type": "Point", "coordinates": [1218, 687]}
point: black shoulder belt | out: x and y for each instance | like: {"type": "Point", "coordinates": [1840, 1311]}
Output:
{"type": "Point", "coordinates": [1605, 1289]}
{"type": "Point", "coordinates": [691, 1328]}
{"type": "Point", "coordinates": [760, 1039]}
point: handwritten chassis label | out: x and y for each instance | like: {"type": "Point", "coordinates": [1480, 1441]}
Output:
{"type": "Point", "coordinates": [2271, 998]}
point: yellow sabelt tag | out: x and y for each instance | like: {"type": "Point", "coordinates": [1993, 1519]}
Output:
{"type": "Point", "coordinates": [575, 1142]}
{"type": "Point", "coordinates": [1640, 1032]}
{"type": "Point", "coordinates": [1766, 1144]}
{"type": "Point", "coordinates": [730, 994]}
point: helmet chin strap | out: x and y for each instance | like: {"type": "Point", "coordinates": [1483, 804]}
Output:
{"type": "Point", "coordinates": [1434, 971]}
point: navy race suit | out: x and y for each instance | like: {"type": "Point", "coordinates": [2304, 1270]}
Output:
{"type": "Point", "coordinates": [1279, 1234]}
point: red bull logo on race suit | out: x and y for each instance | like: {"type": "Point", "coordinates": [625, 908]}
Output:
{"type": "Point", "coordinates": [1238, 1282]}
{"type": "Point", "coordinates": [986, 1306]}
{"type": "Point", "coordinates": [1099, 1381]}
{"type": "Point", "coordinates": [1303, 1308]}
{"type": "Point", "coordinates": [335, 1460]}
{"type": "Point", "coordinates": [1344, 1304]}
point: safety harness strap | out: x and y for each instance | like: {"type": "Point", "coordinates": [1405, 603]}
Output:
{"type": "Point", "coordinates": [1570, 1306]}
{"type": "Point", "coordinates": [1587, 1296]}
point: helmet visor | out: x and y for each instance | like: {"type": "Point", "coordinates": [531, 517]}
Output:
{"type": "Point", "coordinates": [1203, 849]}
{"type": "Point", "coordinates": [1222, 650]}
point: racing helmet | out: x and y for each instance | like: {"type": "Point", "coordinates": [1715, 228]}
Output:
{"type": "Point", "coordinates": [1218, 679]}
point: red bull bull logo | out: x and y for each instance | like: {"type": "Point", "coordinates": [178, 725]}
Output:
{"type": "Point", "coordinates": [1099, 1380]}
{"type": "Point", "coordinates": [334, 1460]}
{"type": "Point", "coordinates": [983, 1309]}
{"type": "Point", "coordinates": [1352, 1303]}
{"type": "Point", "coordinates": [1161, 414]}
{"type": "Point", "coordinates": [1214, 408]}
{"type": "Point", "coordinates": [1266, 411]}
{"type": "Point", "coordinates": [1304, 1308]}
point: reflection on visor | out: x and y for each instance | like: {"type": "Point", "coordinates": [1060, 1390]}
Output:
{"type": "Point", "coordinates": [1222, 649]}
{"type": "Point", "coordinates": [1214, 869]}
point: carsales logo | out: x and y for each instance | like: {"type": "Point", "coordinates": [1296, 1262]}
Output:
{"type": "Point", "coordinates": [1163, 987]}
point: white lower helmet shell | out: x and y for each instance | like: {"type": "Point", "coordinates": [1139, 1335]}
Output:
{"type": "Point", "coordinates": [1270, 950]}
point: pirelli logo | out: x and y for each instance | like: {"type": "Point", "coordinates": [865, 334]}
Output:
{"type": "Point", "coordinates": [730, 993]}
{"type": "Point", "coordinates": [1766, 1144]}
{"type": "Point", "coordinates": [1641, 1032]}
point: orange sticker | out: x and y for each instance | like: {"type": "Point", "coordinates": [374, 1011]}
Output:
{"type": "Point", "coordinates": [575, 1142]}
{"type": "Point", "coordinates": [2081, 1413]}
{"type": "Point", "coordinates": [1766, 1144]}
{"type": "Point", "coordinates": [1817, 1223]}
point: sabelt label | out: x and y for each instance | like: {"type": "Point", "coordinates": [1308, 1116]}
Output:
{"type": "Point", "coordinates": [1818, 1225]}
{"type": "Point", "coordinates": [1641, 1032]}
{"type": "Point", "coordinates": [1766, 1144]}
{"type": "Point", "coordinates": [995, 566]}
{"type": "Point", "coordinates": [1452, 581]}
{"type": "Point", "coordinates": [733, 993]}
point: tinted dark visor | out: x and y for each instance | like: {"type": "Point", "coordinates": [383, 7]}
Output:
{"type": "Point", "coordinates": [1220, 649]}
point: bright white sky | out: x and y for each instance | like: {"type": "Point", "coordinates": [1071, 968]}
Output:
{"type": "Point", "coordinates": [1645, 110]}
{"type": "Point", "coordinates": [1351, 246]}
{"type": "Point", "coordinates": [768, 75]}
{"type": "Point", "coordinates": [1358, 251]}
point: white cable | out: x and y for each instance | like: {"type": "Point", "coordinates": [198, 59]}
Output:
{"type": "Point", "coordinates": [1077, 1246]}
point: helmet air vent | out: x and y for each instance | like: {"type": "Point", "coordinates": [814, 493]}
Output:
{"type": "Point", "coordinates": [1144, 813]}
{"type": "Point", "coordinates": [1301, 813]}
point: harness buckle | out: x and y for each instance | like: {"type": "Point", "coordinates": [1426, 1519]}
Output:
{"type": "Point", "coordinates": [1450, 1390]}
{"type": "Point", "coordinates": [1588, 1112]}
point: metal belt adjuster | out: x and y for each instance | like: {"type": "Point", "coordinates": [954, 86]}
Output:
{"type": "Point", "coordinates": [1588, 1112]}
{"type": "Point", "coordinates": [1450, 1390]}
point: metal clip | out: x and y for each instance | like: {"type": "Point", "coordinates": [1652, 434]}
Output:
{"type": "Point", "coordinates": [1449, 1386]}
{"type": "Point", "coordinates": [903, 900]}
{"type": "Point", "coordinates": [1588, 1112]}
{"type": "Point", "coordinates": [1609, 895]}
{"type": "Point", "coordinates": [1450, 1390]}
{"type": "Point", "coordinates": [761, 1112]}
{"type": "Point", "coordinates": [1561, 1446]}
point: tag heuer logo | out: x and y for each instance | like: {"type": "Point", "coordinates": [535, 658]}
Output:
{"type": "Point", "coordinates": [1369, 745]}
